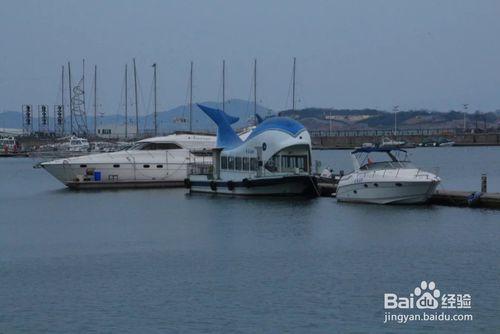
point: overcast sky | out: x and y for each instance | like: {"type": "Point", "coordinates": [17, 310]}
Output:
{"type": "Point", "coordinates": [350, 54]}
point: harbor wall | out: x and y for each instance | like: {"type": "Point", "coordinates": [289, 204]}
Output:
{"type": "Point", "coordinates": [351, 141]}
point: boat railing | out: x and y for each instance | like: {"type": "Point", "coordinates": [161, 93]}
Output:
{"type": "Point", "coordinates": [420, 173]}
{"type": "Point", "coordinates": [200, 168]}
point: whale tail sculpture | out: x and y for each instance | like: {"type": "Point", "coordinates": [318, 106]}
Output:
{"type": "Point", "coordinates": [226, 137]}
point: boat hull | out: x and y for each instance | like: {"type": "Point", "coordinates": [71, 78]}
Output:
{"type": "Point", "coordinates": [394, 192]}
{"type": "Point", "coordinates": [270, 186]}
{"type": "Point", "coordinates": [126, 176]}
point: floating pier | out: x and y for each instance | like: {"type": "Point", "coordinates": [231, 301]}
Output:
{"type": "Point", "coordinates": [473, 199]}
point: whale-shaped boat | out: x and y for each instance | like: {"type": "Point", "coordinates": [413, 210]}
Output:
{"type": "Point", "coordinates": [274, 159]}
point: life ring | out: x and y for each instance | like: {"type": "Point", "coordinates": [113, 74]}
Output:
{"type": "Point", "coordinates": [230, 185]}
{"type": "Point", "coordinates": [213, 185]}
{"type": "Point", "coordinates": [187, 183]}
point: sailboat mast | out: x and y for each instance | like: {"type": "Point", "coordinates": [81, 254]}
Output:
{"type": "Point", "coordinates": [136, 105]}
{"type": "Point", "coordinates": [155, 114]}
{"type": "Point", "coordinates": [293, 85]}
{"type": "Point", "coordinates": [223, 85]}
{"type": "Point", "coordinates": [255, 89]}
{"type": "Point", "coordinates": [62, 100]}
{"type": "Point", "coordinates": [83, 95]}
{"type": "Point", "coordinates": [191, 98]}
{"type": "Point", "coordinates": [126, 101]}
{"type": "Point", "coordinates": [95, 100]}
{"type": "Point", "coordinates": [70, 99]}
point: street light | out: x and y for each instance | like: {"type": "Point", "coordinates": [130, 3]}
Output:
{"type": "Point", "coordinates": [466, 105]}
{"type": "Point", "coordinates": [395, 109]}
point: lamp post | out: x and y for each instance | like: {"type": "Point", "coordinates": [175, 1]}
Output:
{"type": "Point", "coordinates": [466, 105]}
{"type": "Point", "coordinates": [395, 109]}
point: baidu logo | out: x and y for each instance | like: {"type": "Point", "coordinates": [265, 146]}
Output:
{"type": "Point", "coordinates": [427, 296]}
{"type": "Point", "coordinates": [428, 304]}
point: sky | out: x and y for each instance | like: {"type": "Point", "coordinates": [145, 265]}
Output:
{"type": "Point", "coordinates": [350, 54]}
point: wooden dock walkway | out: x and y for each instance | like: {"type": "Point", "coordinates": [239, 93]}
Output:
{"type": "Point", "coordinates": [466, 199]}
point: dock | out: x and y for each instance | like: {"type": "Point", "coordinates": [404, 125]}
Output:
{"type": "Point", "coordinates": [473, 199]}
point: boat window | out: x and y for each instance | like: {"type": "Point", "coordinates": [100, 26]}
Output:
{"type": "Point", "coordinates": [223, 162]}
{"type": "Point", "coordinates": [290, 162]}
{"type": "Point", "coordinates": [253, 164]}
{"type": "Point", "coordinates": [159, 166]}
{"type": "Point", "coordinates": [272, 164]}
{"type": "Point", "coordinates": [238, 163]}
{"type": "Point", "coordinates": [143, 146]}
{"type": "Point", "coordinates": [116, 166]}
{"type": "Point", "coordinates": [145, 166]}
{"type": "Point", "coordinates": [246, 163]}
{"type": "Point", "coordinates": [230, 163]}
{"type": "Point", "coordinates": [83, 166]}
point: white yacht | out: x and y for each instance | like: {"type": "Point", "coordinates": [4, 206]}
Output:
{"type": "Point", "coordinates": [273, 159]}
{"type": "Point", "coordinates": [76, 144]}
{"type": "Point", "coordinates": [385, 181]}
{"type": "Point", "coordinates": [153, 162]}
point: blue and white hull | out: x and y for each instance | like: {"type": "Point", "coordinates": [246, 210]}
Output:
{"type": "Point", "coordinates": [299, 185]}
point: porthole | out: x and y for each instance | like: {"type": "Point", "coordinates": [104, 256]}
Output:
{"type": "Point", "coordinates": [83, 166]}
{"type": "Point", "coordinates": [355, 191]}
{"type": "Point", "coordinates": [398, 184]}
{"type": "Point", "coordinates": [375, 184]}
{"type": "Point", "coordinates": [159, 166]}
{"type": "Point", "coordinates": [145, 166]}
{"type": "Point", "coordinates": [366, 186]}
{"type": "Point", "coordinates": [116, 166]}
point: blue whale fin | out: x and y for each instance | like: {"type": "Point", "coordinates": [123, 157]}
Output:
{"type": "Point", "coordinates": [230, 119]}
{"type": "Point", "coordinates": [226, 137]}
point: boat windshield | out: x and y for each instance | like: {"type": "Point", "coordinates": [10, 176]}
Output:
{"type": "Point", "coordinates": [145, 146]}
{"type": "Point", "coordinates": [383, 160]}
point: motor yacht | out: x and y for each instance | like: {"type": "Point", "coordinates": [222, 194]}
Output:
{"type": "Point", "coordinates": [153, 162]}
{"type": "Point", "coordinates": [273, 159]}
{"type": "Point", "coordinates": [384, 175]}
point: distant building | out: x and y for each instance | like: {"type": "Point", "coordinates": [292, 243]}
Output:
{"type": "Point", "coordinates": [116, 131]}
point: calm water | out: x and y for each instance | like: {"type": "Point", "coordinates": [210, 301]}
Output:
{"type": "Point", "coordinates": [156, 261]}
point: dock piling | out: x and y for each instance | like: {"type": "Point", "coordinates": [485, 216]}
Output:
{"type": "Point", "coordinates": [484, 183]}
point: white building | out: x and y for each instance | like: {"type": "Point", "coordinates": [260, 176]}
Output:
{"type": "Point", "coordinates": [116, 131]}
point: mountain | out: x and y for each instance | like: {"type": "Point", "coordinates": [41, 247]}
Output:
{"type": "Point", "coordinates": [315, 119]}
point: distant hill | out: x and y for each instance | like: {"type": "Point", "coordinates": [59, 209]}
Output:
{"type": "Point", "coordinates": [177, 119]}
{"type": "Point", "coordinates": [345, 119]}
